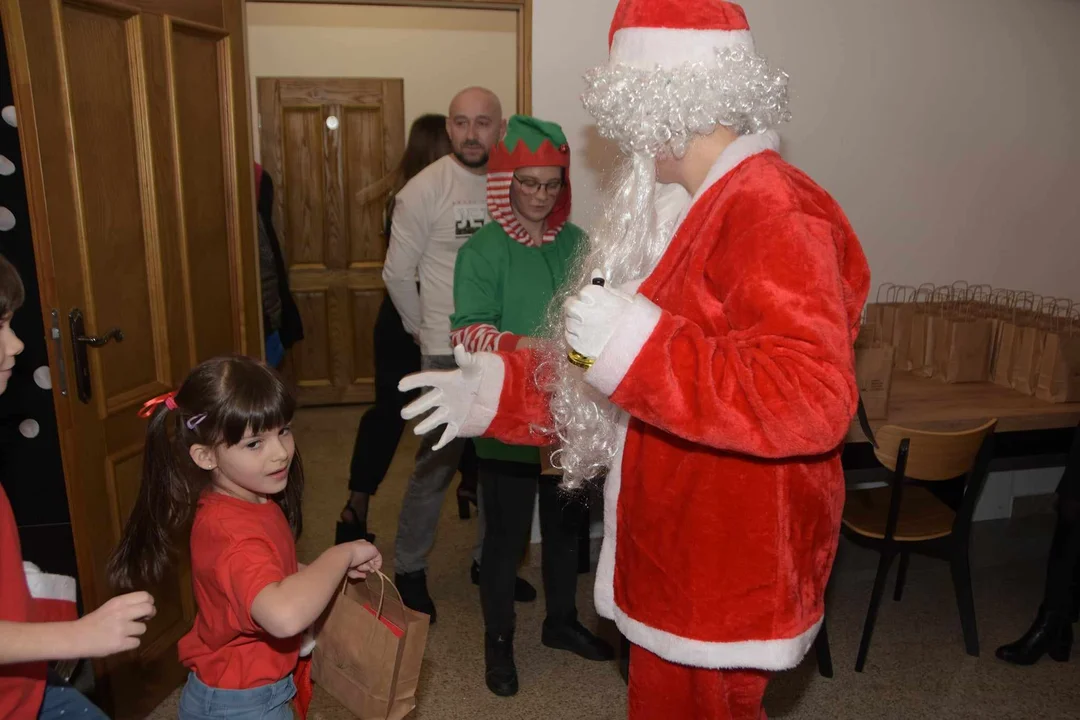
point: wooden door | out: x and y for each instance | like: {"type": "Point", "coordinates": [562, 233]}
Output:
{"type": "Point", "coordinates": [134, 120]}
{"type": "Point", "coordinates": [332, 147]}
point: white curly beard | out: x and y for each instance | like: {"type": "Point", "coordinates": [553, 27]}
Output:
{"type": "Point", "coordinates": [626, 246]}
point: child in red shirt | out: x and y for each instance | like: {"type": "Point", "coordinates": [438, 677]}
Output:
{"type": "Point", "coordinates": [26, 690]}
{"type": "Point", "coordinates": [221, 446]}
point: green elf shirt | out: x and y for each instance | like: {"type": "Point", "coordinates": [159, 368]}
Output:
{"type": "Point", "coordinates": [502, 290]}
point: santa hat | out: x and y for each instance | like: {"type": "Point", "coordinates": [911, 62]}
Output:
{"type": "Point", "coordinates": [668, 33]}
{"type": "Point", "coordinates": [529, 142]}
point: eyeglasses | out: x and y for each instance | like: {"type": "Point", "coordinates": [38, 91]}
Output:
{"type": "Point", "coordinates": [531, 186]}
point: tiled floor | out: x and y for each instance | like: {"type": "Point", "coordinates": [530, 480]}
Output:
{"type": "Point", "coordinates": [917, 667]}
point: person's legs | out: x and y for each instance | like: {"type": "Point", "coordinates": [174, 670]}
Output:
{"type": "Point", "coordinates": [507, 490]}
{"type": "Point", "coordinates": [561, 515]}
{"type": "Point", "coordinates": [380, 428]}
{"type": "Point", "coordinates": [421, 506]}
{"type": "Point", "coordinates": [1052, 631]}
{"type": "Point", "coordinates": [63, 702]}
{"type": "Point", "coordinates": [663, 689]}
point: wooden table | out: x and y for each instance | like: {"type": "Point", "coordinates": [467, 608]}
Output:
{"type": "Point", "coordinates": [1030, 432]}
{"type": "Point", "coordinates": [930, 404]}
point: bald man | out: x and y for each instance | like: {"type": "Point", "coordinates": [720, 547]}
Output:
{"type": "Point", "coordinates": [434, 214]}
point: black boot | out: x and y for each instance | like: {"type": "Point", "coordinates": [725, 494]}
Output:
{"type": "Point", "coordinates": [1051, 634]}
{"type": "Point", "coordinates": [576, 638]}
{"type": "Point", "coordinates": [524, 592]}
{"type": "Point", "coordinates": [500, 673]}
{"type": "Point", "coordinates": [414, 592]}
{"type": "Point", "coordinates": [352, 525]}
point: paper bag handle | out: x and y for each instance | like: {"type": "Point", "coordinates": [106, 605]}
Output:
{"type": "Point", "coordinates": [383, 582]}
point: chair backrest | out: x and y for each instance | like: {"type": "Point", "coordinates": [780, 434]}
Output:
{"type": "Point", "coordinates": [932, 455]}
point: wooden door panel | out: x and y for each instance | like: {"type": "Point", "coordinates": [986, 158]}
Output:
{"type": "Point", "coordinates": [332, 182]}
{"type": "Point", "coordinates": [364, 157]}
{"type": "Point", "coordinates": [140, 186]}
{"type": "Point", "coordinates": [112, 238]}
{"type": "Point", "coordinates": [311, 360]}
{"type": "Point", "coordinates": [365, 310]}
{"type": "Point", "coordinates": [302, 187]}
{"type": "Point", "coordinates": [199, 62]}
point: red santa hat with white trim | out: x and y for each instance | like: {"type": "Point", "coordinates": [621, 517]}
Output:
{"type": "Point", "coordinates": [667, 33]}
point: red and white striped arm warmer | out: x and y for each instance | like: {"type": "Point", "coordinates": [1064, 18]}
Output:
{"type": "Point", "coordinates": [483, 337]}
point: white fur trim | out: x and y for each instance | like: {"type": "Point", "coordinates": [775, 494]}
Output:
{"type": "Point", "coordinates": [604, 587]}
{"type": "Point", "coordinates": [743, 147]}
{"type": "Point", "coordinates": [776, 655]}
{"type": "Point", "coordinates": [307, 642]}
{"type": "Point", "coordinates": [646, 48]}
{"type": "Point", "coordinates": [486, 403]}
{"type": "Point", "coordinates": [631, 333]}
{"type": "Point", "coordinates": [45, 586]}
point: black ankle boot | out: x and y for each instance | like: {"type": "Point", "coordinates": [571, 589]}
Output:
{"type": "Point", "coordinates": [414, 592]}
{"type": "Point", "coordinates": [1051, 634]}
{"type": "Point", "coordinates": [524, 592]}
{"type": "Point", "coordinates": [500, 673]}
{"type": "Point", "coordinates": [576, 638]}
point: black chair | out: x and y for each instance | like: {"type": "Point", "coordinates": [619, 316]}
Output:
{"type": "Point", "coordinates": [908, 517]}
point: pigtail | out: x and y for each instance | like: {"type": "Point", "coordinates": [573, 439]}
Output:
{"type": "Point", "coordinates": [291, 499]}
{"type": "Point", "coordinates": [168, 494]}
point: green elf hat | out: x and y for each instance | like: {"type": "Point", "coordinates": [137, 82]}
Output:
{"type": "Point", "coordinates": [529, 142]}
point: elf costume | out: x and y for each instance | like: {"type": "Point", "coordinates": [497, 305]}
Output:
{"type": "Point", "coordinates": [504, 280]}
{"type": "Point", "coordinates": [727, 362]}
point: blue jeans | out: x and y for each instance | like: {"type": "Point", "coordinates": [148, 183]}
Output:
{"type": "Point", "coordinates": [63, 702]}
{"type": "Point", "coordinates": [202, 702]}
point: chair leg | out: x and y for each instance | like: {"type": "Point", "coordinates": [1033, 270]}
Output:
{"type": "Point", "coordinates": [871, 613]}
{"type": "Point", "coordinates": [961, 575]}
{"type": "Point", "coordinates": [824, 654]}
{"type": "Point", "coordinates": [901, 576]}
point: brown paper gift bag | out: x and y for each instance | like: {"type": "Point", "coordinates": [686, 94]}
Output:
{"type": "Point", "coordinates": [369, 650]}
{"type": "Point", "coordinates": [968, 354]}
{"type": "Point", "coordinates": [903, 315]}
{"type": "Point", "coordinates": [1008, 344]}
{"type": "Point", "coordinates": [872, 316]}
{"type": "Point", "coordinates": [1024, 374]}
{"type": "Point", "coordinates": [1059, 369]}
{"type": "Point", "coordinates": [873, 371]}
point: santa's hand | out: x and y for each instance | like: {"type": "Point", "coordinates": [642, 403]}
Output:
{"type": "Point", "coordinates": [590, 317]}
{"type": "Point", "coordinates": [452, 396]}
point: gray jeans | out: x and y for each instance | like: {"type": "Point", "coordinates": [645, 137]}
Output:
{"type": "Point", "coordinates": [432, 475]}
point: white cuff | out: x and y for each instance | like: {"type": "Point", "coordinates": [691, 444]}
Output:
{"type": "Point", "coordinates": [631, 334]}
{"type": "Point", "coordinates": [486, 403]}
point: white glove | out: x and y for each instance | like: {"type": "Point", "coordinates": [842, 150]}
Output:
{"type": "Point", "coordinates": [590, 317]}
{"type": "Point", "coordinates": [453, 395]}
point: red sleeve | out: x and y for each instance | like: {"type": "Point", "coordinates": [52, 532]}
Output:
{"type": "Point", "coordinates": [523, 409]}
{"type": "Point", "coordinates": [243, 571]}
{"type": "Point", "coordinates": [780, 381]}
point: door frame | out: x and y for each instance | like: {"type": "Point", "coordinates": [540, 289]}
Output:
{"type": "Point", "coordinates": [521, 8]}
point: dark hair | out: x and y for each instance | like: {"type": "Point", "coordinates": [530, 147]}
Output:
{"type": "Point", "coordinates": [12, 292]}
{"type": "Point", "coordinates": [428, 142]}
{"type": "Point", "coordinates": [236, 394]}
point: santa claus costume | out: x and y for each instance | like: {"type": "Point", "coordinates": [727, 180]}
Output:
{"type": "Point", "coordinates": [720, 380]}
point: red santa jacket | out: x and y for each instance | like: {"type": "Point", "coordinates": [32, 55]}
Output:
{"type": "Point", "coordinates": [735, 369]}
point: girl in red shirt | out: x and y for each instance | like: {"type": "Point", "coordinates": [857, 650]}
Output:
{"type": "Point", "coordinates": [222, 447]}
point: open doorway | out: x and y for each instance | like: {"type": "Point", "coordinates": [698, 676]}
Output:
{"type": "Point", "coordinates": [335, 86]}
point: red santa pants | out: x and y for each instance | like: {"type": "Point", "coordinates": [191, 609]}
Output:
{"type": "Point", "coordinates": [662, 690]}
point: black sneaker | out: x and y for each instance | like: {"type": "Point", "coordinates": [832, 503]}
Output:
{"type": "Point", "coordinates": [524, 592]}
{"type": "Point", "coordinates": [500, 673]}
{"type": "Point", "coordinates": [576, 638]}
{"type": "Point", "coordinates": [414, 593]}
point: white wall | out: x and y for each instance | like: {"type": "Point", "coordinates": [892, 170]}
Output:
{"type": "Point", "coordinates": [947, 130]}
{"type": "Point", "coordinates": [436, 51]}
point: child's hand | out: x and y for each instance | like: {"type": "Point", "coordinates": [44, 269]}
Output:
{"type": "Point", "coordinates": [115, 626]}
{"type": "Point", "coordinates": [364, 558]}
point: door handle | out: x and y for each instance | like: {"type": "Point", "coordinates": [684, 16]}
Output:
{"type": "Point", "coordinates": [115, 334]}
{"type": "Point", "coordinates": [79, 342]}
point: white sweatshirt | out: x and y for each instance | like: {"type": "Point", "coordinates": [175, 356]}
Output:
{"type": "Point", "coordinates": [434, 214]}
